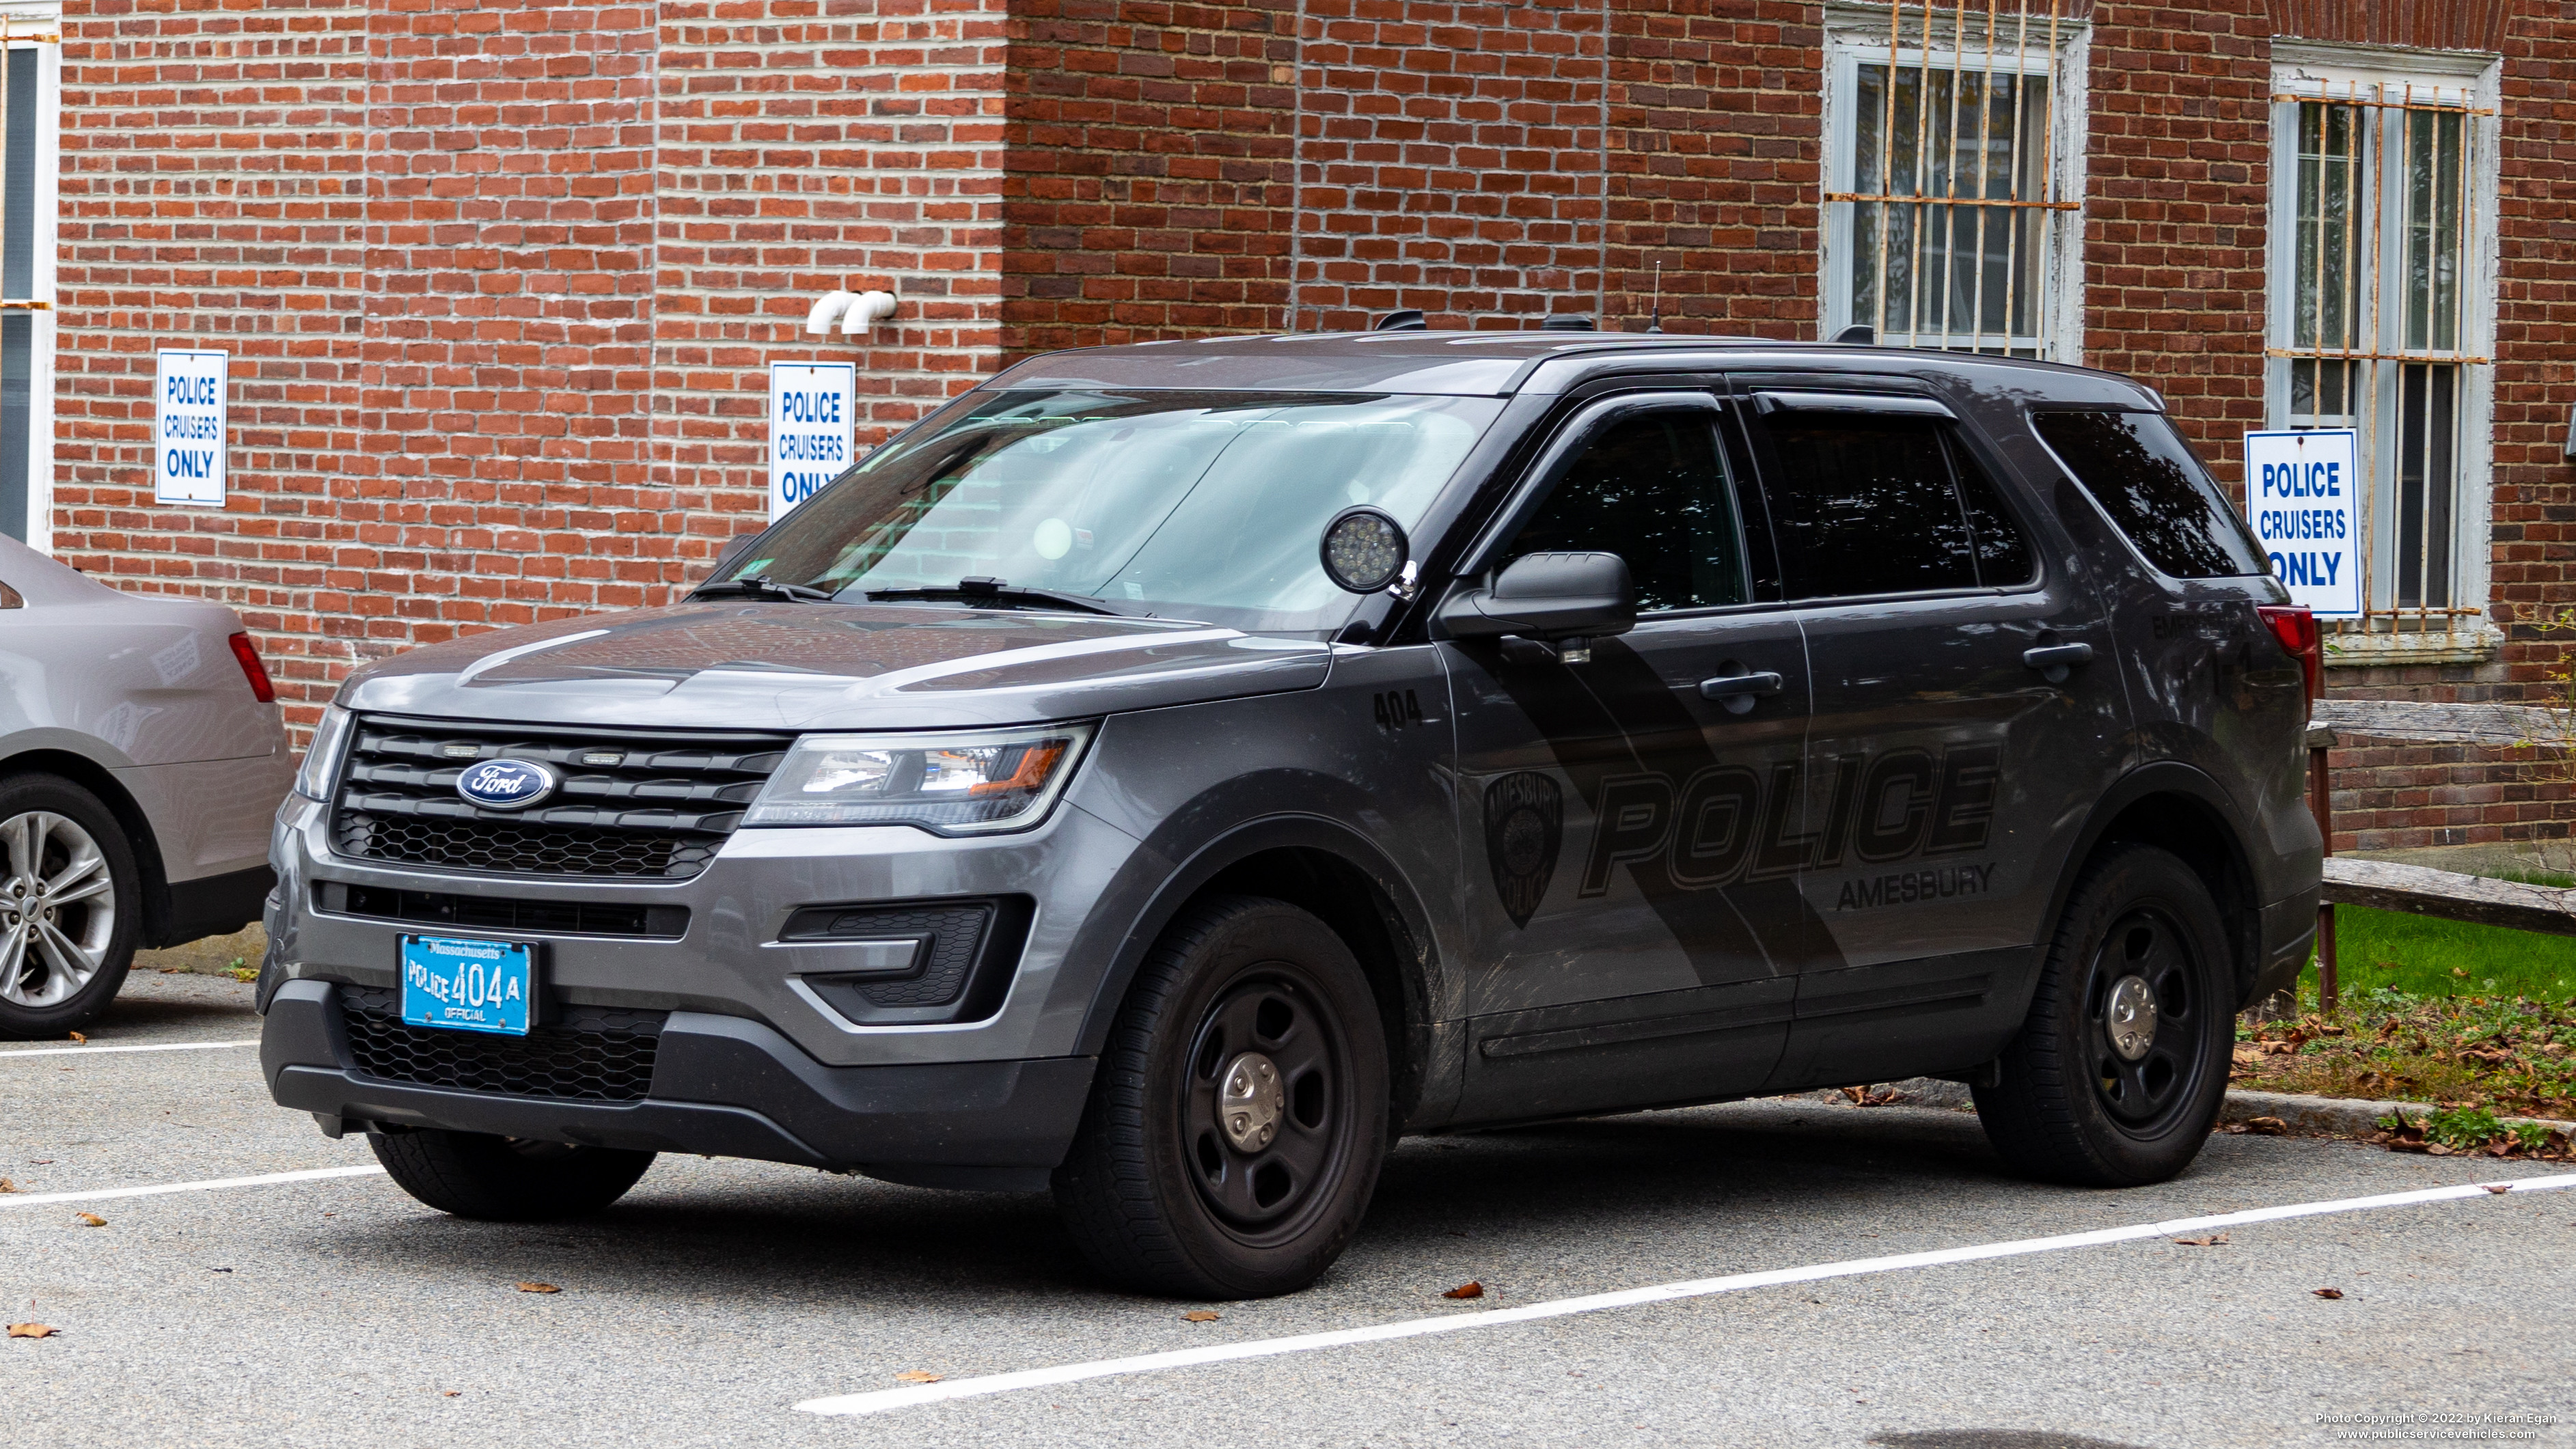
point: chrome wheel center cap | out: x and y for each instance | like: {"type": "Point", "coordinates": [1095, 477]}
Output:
{"type": "Point", "coordinates": [2131, 1017]}
{"type": "Point", "coordinates": [1250, 1102]}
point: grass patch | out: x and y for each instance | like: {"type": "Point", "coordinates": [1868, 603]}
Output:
{"type": "Point", "coordinates": [2427, 956]}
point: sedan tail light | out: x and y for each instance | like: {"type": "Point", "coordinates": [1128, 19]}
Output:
{"type": "Point", "coordinates": [252, 669]}
{"type": "Point", "coordinates": [2296, 628]}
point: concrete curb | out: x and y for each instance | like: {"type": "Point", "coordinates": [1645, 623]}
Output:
{"type": "Point", "coordinates": [2303, 1116]}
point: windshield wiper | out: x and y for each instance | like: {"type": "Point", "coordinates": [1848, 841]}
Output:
{"type": "Point", "coordinates": [763, 587]}
{"type": "Point", "coordinates": [994, 591]}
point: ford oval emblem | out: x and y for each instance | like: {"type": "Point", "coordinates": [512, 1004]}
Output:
{"type": "Point", "coordinates": [505, 784]}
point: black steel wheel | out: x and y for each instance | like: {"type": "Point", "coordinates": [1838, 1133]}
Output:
{"type": "Point", "coordinates": [1238, 1116]}
{"type": "Point", "coordinates": [1261, 1111]}
{"type": "Point", "coordinates": [2142, 999]}
{"type": "Point", "coordinates": [2116, 1076]}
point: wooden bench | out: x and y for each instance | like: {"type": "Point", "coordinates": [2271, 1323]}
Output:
{"type": "Point", "coordinates": [2388, 886]}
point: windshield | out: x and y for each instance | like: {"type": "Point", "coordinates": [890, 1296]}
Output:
{"type": "Point", "coordinates": [1197, 505]}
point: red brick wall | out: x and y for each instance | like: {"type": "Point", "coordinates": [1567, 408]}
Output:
{"type": "Point", "coordinates": [1716, 166]}
{"type": "Point", "coordinates": [2407, 795]}
{"type": "Point", "coordinates": [500, 306]}
{"type": "Point", "coordinates": [2535, 485]}
{"type": "Point", "coordinates": [211, 191]}
{"type": "Point", "coordinates": [2178, 181]}
{"type": "Point", "coordinates": [1149, 187]}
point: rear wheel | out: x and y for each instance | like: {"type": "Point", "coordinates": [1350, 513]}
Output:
{"type": "Point", "coordinates": [2118, 1072]}
{"type": "Point", "coordinates": [1239, 1115]}
{"type": "Point", "coordinates": [71, 905]}
{"type": "Point", "coordinates": [506, 1179]}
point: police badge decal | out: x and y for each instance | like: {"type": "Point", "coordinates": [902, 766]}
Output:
{"type": "Point", "coordinates": [1524, 824]}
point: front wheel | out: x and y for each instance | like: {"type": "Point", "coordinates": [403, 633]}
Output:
{"type": "Point", "coordinates": [1240, 1112]}
{"type": "Point", "coordinates": [2120, 1067]}
{"type": "Point", "coordinates": [506, 1179]}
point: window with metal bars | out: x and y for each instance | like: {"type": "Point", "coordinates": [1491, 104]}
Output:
{"type": "Point", "coordinates": [2379, 314]}
{"type": "Point", "coordinates": [1946, 215]}
{"type": "Point", "coordinates": [30, 52]}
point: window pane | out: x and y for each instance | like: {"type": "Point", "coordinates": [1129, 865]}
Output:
{"type": "Point", "coordinates": [1865, 506]}
{"type": "Point", "coordinates": [2003, 554]}
{"type": "Point", "coordinates": [17, 367]}
{"type": "Point", "coordinates": [18, 178]}
{"type": "Point", "coordinates": [2142, 473]}
{"type": "Point", "coordinates": [2427, 481]}
{"type": "Point", "coordinates": [2325, 307]}
{"type": "Point", "coordinates": [1652, 491]}
{"type": "Point", "coordinates": [1937, 269]}
{"type": "Point", "coordinates": [2433, 188]}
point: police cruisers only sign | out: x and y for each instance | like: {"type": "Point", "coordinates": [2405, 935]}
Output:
{"type": "Point", "coordinates": [2303, 490]}
{"type": "Point", "coordinates": [188, 427]}
{"type": "Point", "coordinates": [813, 407]}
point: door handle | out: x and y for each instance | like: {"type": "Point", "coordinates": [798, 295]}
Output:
{"type": "Point", "coordinates": [2055, 661]}
{"type": "Point", "coordinates": [2057, 656]}
{"type": "Point", "coordinates": [1739, 686]}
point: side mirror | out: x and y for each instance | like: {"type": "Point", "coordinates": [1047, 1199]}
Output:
{"type": "Point", "coordinates": [1548, 596]}
{"type": "Point", "coordinates": [731, 554]}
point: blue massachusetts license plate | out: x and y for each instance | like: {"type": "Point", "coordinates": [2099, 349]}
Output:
{"type": "Point", "coordinates": [468, 985]}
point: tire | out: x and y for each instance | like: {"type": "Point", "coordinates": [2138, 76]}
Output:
{"type": "Point", "coordinates": [506, 1179]}
{"type": "Point", "coordinates": [2080, 1103]}
{"type": "Point", "coordinates": [71, 907]}
{"type": "Point", "coordinates": [1168, 1190]}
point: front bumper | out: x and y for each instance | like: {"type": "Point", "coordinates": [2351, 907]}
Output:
{"type": "Point", "coordinates": [722, 1086]}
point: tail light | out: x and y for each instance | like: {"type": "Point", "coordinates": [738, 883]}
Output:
{"type": "Point", "coordinates": [2296, 628]}
{"type": "Point", "coordinates": [252, 669]}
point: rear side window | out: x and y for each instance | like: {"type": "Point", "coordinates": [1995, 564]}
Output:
{"type": "Point", "coordinates": [1884, 505]}
{"type": "Point", "coordinates": [1652, 490]}
{"type": "Point", "coordinates": [2142, 473]}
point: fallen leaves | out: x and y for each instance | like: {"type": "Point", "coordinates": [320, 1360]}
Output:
{"type": "Point", "coordinates": [32, 1330]}
{"type": "Point", "coordinates": [1469, 1289]}
{"type": "Point", "coordinates": [2327, 1292]}
{"type": "Point", "coordinates": [918, 1376]}
{"type": "Point", "coordinates": [1201, 1315]}
{"type": "Point", "coordinates": [1873, 1096]}
{"type": "Point", "coordinates": [78, 1039]}
{"type": "Point", "coordinates": [538, 1288]}
{"type": "Point", "coordinates": [7, 1186]}
{"type": "Point", "coordinates": [2499, 1188]}
{"type": "Point", "coordinates": [2214, 1240]}
{"type": "Point", "coordinates": [2267, 1126]}
{"type": "Point", "coordinates": [90, 1220]}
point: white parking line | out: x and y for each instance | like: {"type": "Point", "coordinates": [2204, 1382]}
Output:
{"type": "Point", "coordinates": [881, 1400]}
{"type": "Point", "coordinates": [91, 1051]}
{"type": "Point", "coordinates": [266, 1179]}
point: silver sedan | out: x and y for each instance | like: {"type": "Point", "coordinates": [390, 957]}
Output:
{"type": "Point", "coordinates": [141, 755]}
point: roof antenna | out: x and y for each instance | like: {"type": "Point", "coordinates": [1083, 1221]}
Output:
{"type": "Point", "coordinates": [1656, 323]}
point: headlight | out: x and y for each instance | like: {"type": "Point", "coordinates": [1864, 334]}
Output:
{"type": "Point", "coordinates": [322, 758]}
{"type": "Point", "coordinates": [962, 784]}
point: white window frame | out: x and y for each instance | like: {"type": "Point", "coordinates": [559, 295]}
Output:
{"type": "Point", "coordinates": [1862, 34]}
{"type": "Point", "coordinates": [37, 24]}
{"type": "Point", "coordinates": [2316, 71]}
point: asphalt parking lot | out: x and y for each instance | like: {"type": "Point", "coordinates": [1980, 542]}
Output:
{"type": "Point", "coordinates": [719, 1296]}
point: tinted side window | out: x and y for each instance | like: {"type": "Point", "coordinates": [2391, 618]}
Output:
{"type": "Point", "coordinates": [2003, 552]}
{"type": "Point", "coordinates": [2139, 469]}
{"type": "Point", "coordinates": [1651, 490]}
{"type": "Point", "coordinates": [1864, 505]}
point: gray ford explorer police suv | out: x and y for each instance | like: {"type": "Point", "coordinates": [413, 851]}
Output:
{"type": "Point", "coordinates": [1166, 774]}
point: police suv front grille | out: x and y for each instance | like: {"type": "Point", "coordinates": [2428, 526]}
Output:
{"type": "Point", "coordinates": [632, 803]}
{"type": "Point", "coordinates": [501, 913]}
{"type": "Point", "coordinates": [577, 1054]}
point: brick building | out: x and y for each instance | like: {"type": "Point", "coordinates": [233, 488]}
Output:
{"type": "Point", "coordinates": [499, 282]}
